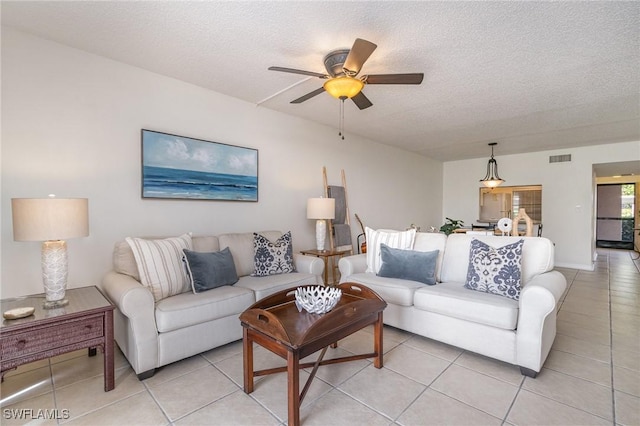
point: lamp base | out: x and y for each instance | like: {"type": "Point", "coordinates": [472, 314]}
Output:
{"type": "Point", "coordinates": [54, 304]}
{"type": "Point", "coordinates": [321, 231]}
{"type": "Point", "coordinates": [54, 273]}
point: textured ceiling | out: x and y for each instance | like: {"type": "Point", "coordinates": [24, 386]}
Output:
{"type": "Point", "coordinates": [530, 75]}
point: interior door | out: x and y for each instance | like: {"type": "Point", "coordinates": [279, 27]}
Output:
{"type": "Point", "coordinates": [615, 223]}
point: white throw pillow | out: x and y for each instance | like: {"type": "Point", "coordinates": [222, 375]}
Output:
{"type": "Point", "coordinates": [160, 264]}
{"type": "Point", "coordinates": [394, 239]}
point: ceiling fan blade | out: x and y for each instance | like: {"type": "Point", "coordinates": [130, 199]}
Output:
{"type": "Point", "coordinates": [415, 78]}
{"type": "Point", "coordinates": [295, 71]}
{"type": "Point", "coordinates": [358, 55]}
{"type": "Point", "coordinates": [361, 101]}
{"type": "Point", "coordinates": [308, 96]}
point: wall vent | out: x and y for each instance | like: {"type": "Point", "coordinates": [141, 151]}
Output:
{"type": "Point", "coordinates": [559, 158]}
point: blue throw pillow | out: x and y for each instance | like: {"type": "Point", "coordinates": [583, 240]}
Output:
{"type": "Point", "coordinates": [495, 270]}
{"type": "Point", "coordinates": [210, 270]}
{"type": "Point", "coordinates": [408, 264]}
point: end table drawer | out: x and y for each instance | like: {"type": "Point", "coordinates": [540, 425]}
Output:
{"type": "Point", "coordinates": [51, 337]}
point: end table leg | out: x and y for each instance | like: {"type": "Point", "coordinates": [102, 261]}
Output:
{"type": "Point", "coordinates": [109, 379]}
{"type": "Point", "coordinates": [247, 359]}
{"type": "Point", "coordinates": [326, 270]}
{"type": "Point", "coordinates": [377, 342]}
{"type": "Point", "coordinates": [293, 387]}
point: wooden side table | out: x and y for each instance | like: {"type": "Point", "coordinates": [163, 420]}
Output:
{"type": "Point", "coordinates": [326, 256]}
{"type": "Point", "coordinates": [86, 322]}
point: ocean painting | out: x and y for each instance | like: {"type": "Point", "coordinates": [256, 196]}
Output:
{"type": "Point", "coordinates": [185, 168]}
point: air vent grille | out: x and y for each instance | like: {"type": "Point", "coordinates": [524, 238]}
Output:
{"type": "Point", "coordinates": [559, 158]}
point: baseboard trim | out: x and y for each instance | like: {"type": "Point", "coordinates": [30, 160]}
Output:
{"type": "Point", "coordinates": [580, 266]}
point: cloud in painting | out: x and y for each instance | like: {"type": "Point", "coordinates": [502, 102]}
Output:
{"type": "Point", "coordinates": [176, 152]}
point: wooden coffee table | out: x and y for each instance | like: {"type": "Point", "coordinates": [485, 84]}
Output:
{"type": "Point", "coordinates": [275, 323]}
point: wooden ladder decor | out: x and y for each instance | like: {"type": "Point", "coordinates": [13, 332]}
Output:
{"type": "Point", "coordinates": [340, 227]}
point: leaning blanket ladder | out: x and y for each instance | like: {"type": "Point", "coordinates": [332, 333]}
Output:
{"type": "Point", "coordinates": [340, 227]}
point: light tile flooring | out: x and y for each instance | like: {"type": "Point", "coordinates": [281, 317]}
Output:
{"type": "Point", "coordinates": [592, 376]}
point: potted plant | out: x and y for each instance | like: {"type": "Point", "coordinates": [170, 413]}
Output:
{"type": "Point", "coordinates": [451, 225]}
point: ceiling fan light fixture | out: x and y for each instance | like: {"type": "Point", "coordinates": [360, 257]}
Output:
{"type": "Point", "coordinates": [491, 179]}
{"type": "Point", "coordinates": [343, 87]}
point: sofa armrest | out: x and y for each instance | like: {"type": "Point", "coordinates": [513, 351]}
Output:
{"type": "Point", "coordinates": [537, 318]}
{"type": "Point", "coordinates": [308, 264]}
{"type": "Point", "coordinates": [138, 334]}
{"type": "Point", "coordinates": [352, 265]}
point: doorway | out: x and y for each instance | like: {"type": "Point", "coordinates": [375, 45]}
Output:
{"type": "Point", "coordinates": [615, 215]}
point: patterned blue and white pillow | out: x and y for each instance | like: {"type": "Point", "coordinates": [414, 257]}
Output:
{"type": "Point", "coordinates": [495, 270]}
{"type": "Point", "coordinates": [272, 258]}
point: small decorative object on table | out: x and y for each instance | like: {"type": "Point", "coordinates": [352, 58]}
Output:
{"type": "Point", "coordinates": [317, 299]}
{"type": "Point", "coordinates": [18, 312]}
{"type": "Point", "coordinates": [504, 225]}
{"type": "Point", "coordinates": [522, 215]}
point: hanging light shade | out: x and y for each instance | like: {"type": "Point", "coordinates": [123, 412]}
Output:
{"type": "Point", "coordinates": [492, 179]}
{"type": "Point", "coordinates": [343, 87]}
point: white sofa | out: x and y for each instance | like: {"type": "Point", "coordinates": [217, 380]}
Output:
{"type": "Point", "coordinates": [519, 332]}
{"type": "Point", "coordinates": [152, 334]}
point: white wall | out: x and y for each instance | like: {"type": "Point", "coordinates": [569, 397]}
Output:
{"type": "Point", "coordinates": [71, 126]}
{"type": "Point", "coordinates": [567, 192]}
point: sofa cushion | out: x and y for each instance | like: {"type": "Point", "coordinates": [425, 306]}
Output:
{"type": "Point", "coordinates": [125, 263]}
{"type": "Point", "coordinates": [394, 239]}
{"type": "Point", "coordinates": [272, 257]}
{"type": "Point", "coordinates": [537, 255]}
{"type": "Point", "coordinates": [266, 286]}
{"type": "Point", "coordinates": [187, 309]}
{"type": "Point", "coordinates": [241, 246]}
{"type": "Point", "coordinates": [408, 264]}
{"type": "Point", "coordinates": [429, 241]}
{"type": "Point", "coordinates": [454, 300]}
{"type": "Point", "coordinates": [123, 260]}
{"type": "Point", "coordinates": [393, 290]}
{"type": "Point", "coordinates": [495, 270]}
{"type": "Point", "coordinates": [160, 264]}
{"type": "Point", "coordinates": [210, 270]}
{"type": "Point", "coordinates": [205, 244]}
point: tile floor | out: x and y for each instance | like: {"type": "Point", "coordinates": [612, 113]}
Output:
{"type": "Point", "coordinates": [591, 377]}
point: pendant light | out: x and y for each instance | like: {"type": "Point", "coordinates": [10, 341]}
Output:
{"type": "Point", "coordinates": [492, 179]}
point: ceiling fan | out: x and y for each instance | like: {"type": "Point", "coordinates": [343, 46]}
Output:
{"type": "Point", "coordinates": [342, 67]}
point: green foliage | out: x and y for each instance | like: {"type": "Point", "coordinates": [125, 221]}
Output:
{"type": "Point", "coordinates": [451, 225]}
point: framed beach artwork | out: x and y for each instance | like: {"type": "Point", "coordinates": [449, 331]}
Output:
{"type": "Point", "coordinates": [179, 167]}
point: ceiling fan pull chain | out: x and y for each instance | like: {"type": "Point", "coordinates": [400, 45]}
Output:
{"type": "Point", "coordinates": [340, 120]}
{"type": "Point", "coordinates": [341, 132]}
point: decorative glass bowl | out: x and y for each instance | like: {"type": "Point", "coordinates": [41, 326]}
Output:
{"type": "Point", "coordinates": [318, 299]}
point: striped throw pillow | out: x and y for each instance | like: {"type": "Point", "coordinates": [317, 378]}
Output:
{"type": "Point", "coordinates": [160, 264]}
{"type": "Point", "coordinates": [394, 239]}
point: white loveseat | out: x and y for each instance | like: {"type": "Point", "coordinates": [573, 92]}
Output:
{"type": "Point", "coordinates": [519, 332]}
{"type": "Point", "coordinates": [152, 334]}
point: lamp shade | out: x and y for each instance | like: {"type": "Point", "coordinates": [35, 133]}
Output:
{"type": "Point", "coordinates": [343, 87]}
{"type": "Point", "coordinates": [321, 208]}
{"type": "Point", "coordinates": [47, 219]}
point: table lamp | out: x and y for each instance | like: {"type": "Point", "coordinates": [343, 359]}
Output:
{"type": "Point", "coordinates": [321, 209]}
{"type": "Point", "coordinates": [51, 220]}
